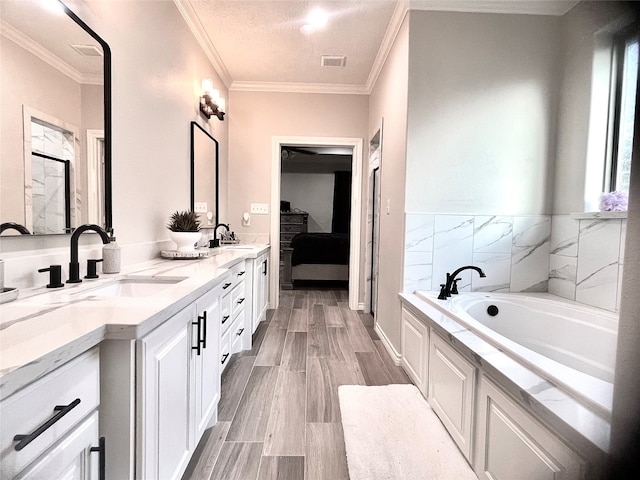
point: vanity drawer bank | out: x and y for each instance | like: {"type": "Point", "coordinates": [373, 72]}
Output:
{"type": "Point", "coordinates": [507, 420]}
{"type": "Point", "coordinates": [161, 346]}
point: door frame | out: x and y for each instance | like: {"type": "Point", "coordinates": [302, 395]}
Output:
{"type": "Point", "coordinates": [356, 209]}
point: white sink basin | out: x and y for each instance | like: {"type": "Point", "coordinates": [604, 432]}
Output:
{"type": "Point", "coordinates": [132, 287]}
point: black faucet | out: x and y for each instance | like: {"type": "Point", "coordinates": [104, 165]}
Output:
{"type": "Point", "coordinates": [446, 289]}
{"type": "Point", "coordinates": [15, 226]}
{"type": "Point", "coordinates": [74, 265]}
{"type": "Point", "coordinates": [216, 242]}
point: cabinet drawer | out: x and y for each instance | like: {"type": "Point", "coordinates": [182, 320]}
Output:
{"type": "Point", "coordinates": [288, 219]}
{"type": "Point", "coordinates": [238, 272]}
{"type": "Point", "coordinates": [238, 298]}
{"type": "Point", "coordinates": [225, 350]}
{"type": "Point", "coordinates": [60, 399]}
{"type": "Point", "coordinates": [293, 227]}
{"type": "Point", "coordinates": [286, 238]}
{"type": "Point", "coordinates": [238, 333]}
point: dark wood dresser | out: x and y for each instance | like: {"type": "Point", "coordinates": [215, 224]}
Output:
{"type": "Point", "coordinates": [290, 225]}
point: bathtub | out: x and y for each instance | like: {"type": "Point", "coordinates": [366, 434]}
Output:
{"type": "Point", "coordinates": [571, 345]}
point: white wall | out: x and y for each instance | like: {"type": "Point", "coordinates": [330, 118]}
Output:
{"type": "Point", "coordinates": [157, 67]}
{"type": "Point", "coordinates": [482, 109]}
{"type": "Point", "coordinates": [388, 106]}
{"type": "Point", "coordinates": [312, 193]}
{"type": "Point", "coordinates": [254, 119]}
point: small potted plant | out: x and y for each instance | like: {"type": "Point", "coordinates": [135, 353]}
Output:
{"type": "Point", "coordinates": [184, 230]}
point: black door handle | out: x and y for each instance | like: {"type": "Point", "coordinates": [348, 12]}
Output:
{"type": "Point", "coordinates": [226, 285]}
{"type": "Point", "coordinates": [198, 347]}
{"type": "Point", "coordinates": [101, 449]}
{"type": "Point", "coordinates": [24, 440]}
{"type": "Point", "coordinates": [224, 358]}
{"type": "Point", "coordinates": [240, 332]}
{"type": "Point", "coordinates": [224, 319]}
{"type": "Point", "coordinates": [203, 319]}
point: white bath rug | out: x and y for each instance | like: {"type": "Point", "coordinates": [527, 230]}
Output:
{"type": "Point", "coordinates": [391, 433]}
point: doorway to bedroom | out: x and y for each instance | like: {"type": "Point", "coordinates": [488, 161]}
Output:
{"type": "Point", "coordinates": [313, 236]}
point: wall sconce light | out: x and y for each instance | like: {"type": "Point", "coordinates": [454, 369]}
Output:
{"type": "Point", "coordinates": [211, 103]}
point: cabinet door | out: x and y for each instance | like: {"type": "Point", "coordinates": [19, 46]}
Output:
{"type": "Point", "coordinates": [451, 391]}
{"type": "Point", "coordinates": [260, 289]}
{"type": "Point", "coordinates": [71, 457]}
{"type": "Point", "coordinates": [206, 363]}
{"type": "Point", "coordinates": [415, 349]}
{"type": "Point", "coordinates": [510, 444]}
{"type": "Point", "coordinates": [164, 409]}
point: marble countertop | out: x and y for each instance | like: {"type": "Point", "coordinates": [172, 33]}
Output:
{"type": "Point", "coordinates": [45, 328]}
{"type": "Point", "coordinates": [583, 428]}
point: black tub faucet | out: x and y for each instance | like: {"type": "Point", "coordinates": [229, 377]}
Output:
{"type": "Point", "coordinates": [74, 265]}
{"type": "Point", "coordinates": [446, 289]}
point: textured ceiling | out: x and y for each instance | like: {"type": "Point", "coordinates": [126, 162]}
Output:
{"type": "Point", "coordinates": [258, 45]}
{"type": "Point", "coordinates": [260, 40]}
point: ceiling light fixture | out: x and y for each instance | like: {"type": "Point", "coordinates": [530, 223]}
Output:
{"type": "Point", "coordinates": [211, 103]}
{"type": "Point", "coordinates": [54, 6]}
{"type": "Point", "coordinates": [316, 20]}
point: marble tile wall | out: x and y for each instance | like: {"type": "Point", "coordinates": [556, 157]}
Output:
{"type": "Point", "coordinates": [513, 251]}
{"type": "Point", "coordinates": [586, 260]}
{"type": "Point", "coordinates": [576, 259]}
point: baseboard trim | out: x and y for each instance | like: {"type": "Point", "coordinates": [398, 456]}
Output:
{"type": "Point", "coordinates": [395, 355]}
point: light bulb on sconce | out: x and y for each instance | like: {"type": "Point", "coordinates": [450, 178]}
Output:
{"type": "Point", "coordinates": [210, 102]}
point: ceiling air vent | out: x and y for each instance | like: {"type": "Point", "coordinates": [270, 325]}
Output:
{"type": "Point", "coordinates": [87, 50]}
{"type": "Point", "coordinates": [333, 60]}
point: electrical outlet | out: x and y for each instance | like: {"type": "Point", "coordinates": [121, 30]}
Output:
{"type": "Point", "coordinates": [200, 207]}
{"type": "Point", "coordinates": [260, 208]}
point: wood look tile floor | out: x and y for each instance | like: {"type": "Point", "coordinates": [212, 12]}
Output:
{"type": "Point", "coordinates": [279, 415]}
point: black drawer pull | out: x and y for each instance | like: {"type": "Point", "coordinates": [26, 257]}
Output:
{"type": "Point", "coordinates": [101, 449]}
{"type": "Point", "coordinates": [226, 285]}
{"type": "Point", "coordinates": [198, 347]}
{"type": "Point", "coordinates": [224, 319]}
{"type": "Point", "coordinates": [224, 358]}
{"type": "Point", "coordinates": [240, 301]}
{"type": "Point", "coordinates": [203, 318]}
{"type": "Point", "coordinates": [24, 440]}
{"type": "Point", "coordinates": [240, 332]}
{"type": "Point", "coordinates": [241, 273]}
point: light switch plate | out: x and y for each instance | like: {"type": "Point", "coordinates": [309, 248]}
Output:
{"type": "Point", "coordinates": [260, 208]}
{"type": "Point", "coordinates": [200, 207]}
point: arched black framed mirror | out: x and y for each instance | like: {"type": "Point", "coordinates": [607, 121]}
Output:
{"type": "Point", "coordinates": [55, 110]}
{"type": "Point", "coordinates": [204, 175]}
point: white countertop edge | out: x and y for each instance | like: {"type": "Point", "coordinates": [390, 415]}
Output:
{"type": "Point", "coordinates": [588, 431]}
{"type": "Point", "coordinates": [45, 348]}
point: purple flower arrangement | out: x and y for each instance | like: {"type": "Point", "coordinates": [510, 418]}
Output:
{"type": "Point", "coordinates": [614, 202]}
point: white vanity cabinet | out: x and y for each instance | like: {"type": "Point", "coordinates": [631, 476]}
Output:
{"type": "Point", "coordinates": [415, 349]}
{"type": "Point", "coordinates": [509, 442]}
{"type": "Point", "coordinates": [178, 388]}
{"type": "Point", "coordinates": [260, 289]}
{"type": "Point", "coordinates": [452, 383]}
{"type": "Point", "coordinates": [50, 428]}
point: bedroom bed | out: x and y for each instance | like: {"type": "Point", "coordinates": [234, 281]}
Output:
{"type": "Point", "coordinates": [316, 256]}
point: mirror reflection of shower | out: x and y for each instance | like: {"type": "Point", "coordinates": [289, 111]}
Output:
{"type": "Point", "coordinates": [52, 153]}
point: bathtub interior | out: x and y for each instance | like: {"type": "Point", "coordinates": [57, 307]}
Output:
{"type": "Point", "coordinates": [594, 390]}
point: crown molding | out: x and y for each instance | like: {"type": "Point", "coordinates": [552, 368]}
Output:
{"type": "Point", "coordinates": [525, 7]}
{"type": "Point", "coordinates": [401, 10]}
{"type": "Point", "coordinates": [19, 38]}
{"type": "Point", "coordinates": [193, 22]}
{"type": "Point", "coordinates": [283, 87]}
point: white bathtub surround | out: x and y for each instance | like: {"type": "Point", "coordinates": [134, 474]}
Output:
{"type": "Point", "coordinates": [586, 259]}
{"type": "Point", "coordinates": [578, 258]}
{"type": "Point", "coordinates": [575, 422]}
{"type": "Point", "coordinates": [392, 432]}
{"type": "Point", "coordinates": [530, 254]}
{"type": "Point", "coordinates": [509, 250]}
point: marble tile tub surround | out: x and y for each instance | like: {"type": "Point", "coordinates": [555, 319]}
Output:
{"type": "Point", "coordinates": [43, 329]}
{"type": "Point", "coordinates": [586, 259]}
{"type": "Point", "coordinates": [512, 250]}
{"type": "Point", "coordinates": [577, 259]}
{"type": "Point", "coordinates": [586, 431]}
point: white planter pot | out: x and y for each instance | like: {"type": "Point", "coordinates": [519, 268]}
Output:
{"type": "Point", "coordinates": [185, 241]}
